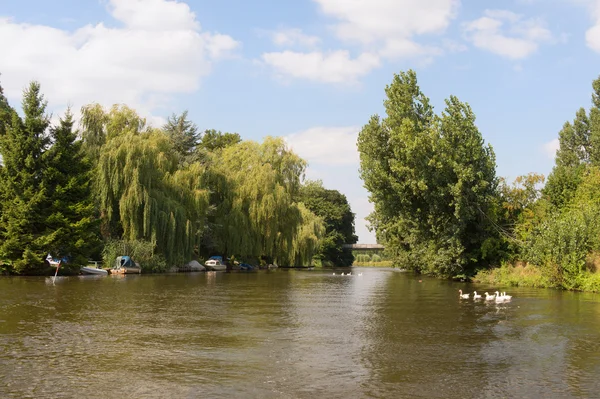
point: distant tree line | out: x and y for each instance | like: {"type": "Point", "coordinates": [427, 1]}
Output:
{"type": "Point", "coordinates": [114, 185]}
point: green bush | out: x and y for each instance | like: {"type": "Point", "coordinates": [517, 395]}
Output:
{"type": "Point", "coordinates": [142, 252]}
{"type": "Point", "coordinates": [561, 245]}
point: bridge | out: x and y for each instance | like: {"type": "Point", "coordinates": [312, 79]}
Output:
{"type": "Point", "coordinates": [364, 247]}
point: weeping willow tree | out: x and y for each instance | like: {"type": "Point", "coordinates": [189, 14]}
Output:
{"type": "Point", "coordinates": [306, 242]}
{"type": "Point", "coordinates": [100, 126]}
{"type": "Point", "coordinates": [143, 192]}
{"type": "Point", "coordinates": [254, 186]}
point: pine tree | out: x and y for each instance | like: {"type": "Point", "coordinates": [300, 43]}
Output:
{"type": "Point", "coordinates": [72, 228]}
{"type": "Point", "coordinates": [5, 112]}
{"type": "Point", "coordinates": [23, 195]}
{"type": "Point", "coordinates": [5, 118]}
{"type": "Point", "coordinates": [183, 134]}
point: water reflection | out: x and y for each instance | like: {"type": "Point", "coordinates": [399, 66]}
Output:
{"type": "Point", "coordinates": [291, 334]}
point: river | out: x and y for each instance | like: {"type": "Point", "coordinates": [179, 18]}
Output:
{"type": "Point", "coordinates": [292, 334]}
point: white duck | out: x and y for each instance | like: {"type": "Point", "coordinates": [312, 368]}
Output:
{"type": "Point", "coordinates": [499, 297]}
{"type": "Point", "coordinates": [476, 295]}
{"type": "Point", "coordinates": [489, 297]}
{"type": "Point", "coordinates": [462, 296]}
{"type": "Point", "coordinates": [506, 297]}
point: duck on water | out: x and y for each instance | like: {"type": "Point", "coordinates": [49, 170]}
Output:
{"type": "Point", "coordinates": [498, 297]}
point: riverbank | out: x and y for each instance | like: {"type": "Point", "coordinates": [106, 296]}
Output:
{"type": "Point", "coordinates": [383, 263]}
{"type": "Point", "coordinates": [526, 275]}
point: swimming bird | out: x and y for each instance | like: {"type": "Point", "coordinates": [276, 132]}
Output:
{"type": "Point", "coordinates": [476, 295]}
{"type": "Point", "coordinates": [506, 297]}
{"type": "Point", "coordinates": [499, 298]}
{"type": "Point", "coordinates": [360, 274]}
{"type": "Point", "coordinates": [489, 297]}
{"type": "Point", "coordinates": [462, 296]}
{"type": "Point", "coordinates": [349, 274]}
{"type": "Point", "coordinates": [334, 273]}
{"type": "Point", "coordinates": [343, 274]}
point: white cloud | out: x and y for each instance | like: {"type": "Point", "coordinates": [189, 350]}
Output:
{"type": "Point", "coordinates": [326, 145]}
{"type": "Point", "coordinates": [454, 46]}
{"type": "Point", "coordinates": [158, 51]}
{"type": "Point", "coordinates": [405, 48]}
{"type": "Point", "coordinates": [507, 34]}
{"type": "Point", "coordinates": [550, 148]}
{"type": "Point", "coordinates": [158, 15]}
{"type": "Point", "coordinates": [330, 67]}
{"type": "Point", "coordinates": [382, 29]}
{"type": "Point", "coordinates": [293, 37]}
{"type": "Point", "coordinates": [388, 19]}
{"type": "Point", "coordinates": [389, 24]}
{"type": "Point", "coordinates": [592, 36]}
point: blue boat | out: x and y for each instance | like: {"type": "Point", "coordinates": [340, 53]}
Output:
{"type": "Point", "coordinates": [246, 267]}
{"type": "Point", "coordinates": [125, 265]}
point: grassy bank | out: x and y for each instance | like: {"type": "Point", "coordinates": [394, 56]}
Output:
{"type": "Point", "coordinates": [525, 275]}
{"type": "Point", "coordinates": [383, 263]}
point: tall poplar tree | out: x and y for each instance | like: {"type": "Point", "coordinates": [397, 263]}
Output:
{"type": "Point", "coordinates": [579, 147]}
{"type": "Point", "coordinates": [431, 179]}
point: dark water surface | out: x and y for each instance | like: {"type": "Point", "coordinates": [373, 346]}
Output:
{"type": "Point", "coordinates": [292, 334]}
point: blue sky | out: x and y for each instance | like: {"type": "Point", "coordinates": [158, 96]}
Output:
{"type": "Point", "coordinates": [314, 70]}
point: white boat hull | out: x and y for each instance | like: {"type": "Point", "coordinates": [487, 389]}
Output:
{"type": "Point", "coordinates": [93, 270]}
{"type": "Point", "coordinates": [216, 268]}
{"type": "Point", "coordinates": [215, 265]}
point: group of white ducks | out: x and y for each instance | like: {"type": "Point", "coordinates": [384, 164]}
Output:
{"type": "Point", "coordinates": [348, 274]}
{"type": "Point", "coordinates": [498, 297]}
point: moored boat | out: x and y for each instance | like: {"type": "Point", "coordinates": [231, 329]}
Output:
{"type": "Point", "coordinates": [215, 263]}
{"type": "Point", "coordinates": [124, 265]}
{"type": "Point", "coordinates": [246, 267]}
{"type": "Point", "coordinates": [94, 269]}
{"type": "Point", "coordinates": [54, 262]}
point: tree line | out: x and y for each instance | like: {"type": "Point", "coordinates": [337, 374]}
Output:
{"type": "Point", "coordinates": [115, 185]}
{"type": "Point", "coordinates": [440, 208]}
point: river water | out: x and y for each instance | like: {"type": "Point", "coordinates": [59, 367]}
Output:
{"type": "Point", "coordinates": [292, 334]}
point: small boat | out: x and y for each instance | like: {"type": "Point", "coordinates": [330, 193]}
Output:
{"type": "Point", "coordinates": [55, 262]}
{"type": "Point", "coordinates": [215, 263]}
{"type": "Point", "coordinates": [124, 265]}
{"type": "Point", "coordinates": [93, 268]}
{"type": "Point", "coordinates": [246, 267]}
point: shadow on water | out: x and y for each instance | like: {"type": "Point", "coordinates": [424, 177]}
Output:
{"type": "Point", "coordinates": [291, 334]}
